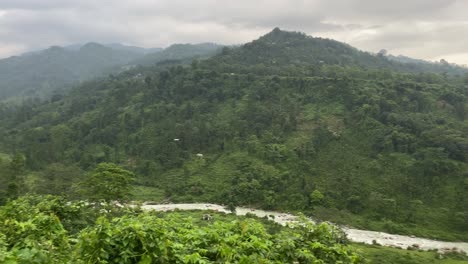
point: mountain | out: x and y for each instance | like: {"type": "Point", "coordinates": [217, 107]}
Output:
{"type": "Point", "coordinates": [287, 122]}
{"type": "Point", "coordinates": [294, 48]}
{"type": "Point", "coordinates": [40, 73]}
{"type": "Point", "coordinates": [427, 66]}
{"type": "Point", "coordinates": [281, 49]}
{"type": "Point", "coordinates": [119, 46]}
{"type": "Point", "coordinates": [178, 52]}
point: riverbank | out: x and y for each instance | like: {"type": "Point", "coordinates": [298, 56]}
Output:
{"type": "Point", "coordinates": [355, 235]}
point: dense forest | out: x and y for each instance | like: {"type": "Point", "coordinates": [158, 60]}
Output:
{"type": "Point", "coordinates": [53, 71]}
{"type": "Point", "coordinates": [179, 52]}
{"type": "Point", "coordinates": [286, 122]}
{"type": "Point", "coordinates": [57, 68]}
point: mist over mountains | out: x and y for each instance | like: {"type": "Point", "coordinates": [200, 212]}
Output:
{"type": "Point", "coordinates": [56, 69]}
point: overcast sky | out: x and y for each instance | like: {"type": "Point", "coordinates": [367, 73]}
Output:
{"type": "Point", "coordinates": [427, 29]}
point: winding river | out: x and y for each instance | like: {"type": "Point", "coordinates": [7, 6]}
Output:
{"type": "Point", "coordinates": [355, 235]}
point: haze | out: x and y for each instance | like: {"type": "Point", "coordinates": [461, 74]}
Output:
{"type": "Point", "coordinates": [426, 29]}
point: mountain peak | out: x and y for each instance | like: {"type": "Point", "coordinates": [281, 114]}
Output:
{"type": "Point", "coordinates": [280, 47]}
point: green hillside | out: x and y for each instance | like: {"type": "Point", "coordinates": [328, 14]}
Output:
{"type": "Point", "coordinates": [55, 70]}
{"type": "Point", "coordinates": [296, 53]}
{"type": "Point", "coordinates": [40, 73]}
{"type": "Point", "coordinates": [179, 52]}
{"type": "Point", "coordinates": [285, 122]}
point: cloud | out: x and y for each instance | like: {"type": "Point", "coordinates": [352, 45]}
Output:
{"type": "Point", "coordinates": [420, 28]}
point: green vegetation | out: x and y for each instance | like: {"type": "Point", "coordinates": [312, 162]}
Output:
{"type": "Point", "coordinates": [146, 193]}
{"type": "Point", "coordinates": [107, 182]}
{"type": "Point", "coordinates": [286, 122]}
{"type": "Point", "coordinates": [42, 73]}
{"type": "Point", "coordinates": [50, 230]}
{"type": "Point", "coordinates": [50, 73]}
{"type": "Point", "coordinates": [385, 255]}
{"type": "Point", "coordinates": [180, 52]}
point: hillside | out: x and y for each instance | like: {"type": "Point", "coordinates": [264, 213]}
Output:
{"type": "Point", "coordinates": [179, 52]}
{"type": "Point", "coordinates": [320, 128]}
{"type": "Point", "coordinates": [40, 73]}
{"type": "Point", "coordinates": [283, 50]}
{"type": "Point", "coordinates": [57, 69]}
{"type": "Point", "coordinates": [427, 66]}
{"type": "Point", "coordinates": [118, 46]}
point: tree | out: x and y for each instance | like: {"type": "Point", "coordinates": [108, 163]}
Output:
{"type": "Point", "coordinates": [108, 182]}
{"type": "Point", "coordinates": [14, 180]}
{"type": "Point", "coordinates": [316, 198]}
{"type": "Point", "coordinates": [382, 53]}
{"type": "Point", "coordinates": [58, 179]}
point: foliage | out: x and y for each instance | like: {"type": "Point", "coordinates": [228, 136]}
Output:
{"type": "Point", "coordinates": [40, 237]}
{"type": "Point", "coordinates": [179, 52]}
{"type": "Point", "coordinates": [170, 240]}
{"type": "Point", "coordinates": [384, 255]}
{"type": "Point", "coordinates": [107, 182]}
{"type": "Point", "coordinates": [41, 73]}
{"type": "Point", "coordinates": [267, 124]}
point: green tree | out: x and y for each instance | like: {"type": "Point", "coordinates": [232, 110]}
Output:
{"type": "Point", "coordinates": [108, 182]}
{"type": "Point", "coordinates": [316, 198]}
{"type": "Point", "coordinates": [15, 181]}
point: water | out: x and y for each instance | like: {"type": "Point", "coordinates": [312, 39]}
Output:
{"type": "Point", "coordinates": [355, 235]}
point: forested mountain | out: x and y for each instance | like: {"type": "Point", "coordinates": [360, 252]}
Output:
{"type": "Point", "coordinates": [285, 122]}
{"type": "Point", "coordinates": [422, 65]}
{"type": "Point", "coordinates": [179, 52]}
{"type": "Point", "coordinates": [40, 73]}
{"type": "Point", "coordinates": [296, 51]}
{"type": "Point", "coordinates": [118, 46]}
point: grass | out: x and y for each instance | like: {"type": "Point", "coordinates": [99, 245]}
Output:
{"type": "Point", "coordinates": [431, 229]}
{"type": "Point", "coordinates": [146, 193]}
{"type": "Point", "coordinates": [386, 255]}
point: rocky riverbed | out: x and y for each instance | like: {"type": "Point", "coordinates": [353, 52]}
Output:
{"type": "Point", "coordinates": [355, 235]}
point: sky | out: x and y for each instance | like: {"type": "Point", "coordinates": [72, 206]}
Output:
{"type": "Point", "coordinates": [425, 29]}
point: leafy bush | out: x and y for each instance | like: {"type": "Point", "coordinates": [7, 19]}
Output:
{"type": "Point", "coordinates": [32, 232]}
{"type": "Point", "coordinates": [149, 239]}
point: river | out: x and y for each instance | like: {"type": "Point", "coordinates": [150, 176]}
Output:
{"type": "Point", "coordinates": [355, 235]}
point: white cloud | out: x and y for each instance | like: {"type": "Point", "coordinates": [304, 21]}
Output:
{"type": "Point", "coordinates": [458, 58]}
{"type": "Point", "coordinates": [420, 28]}
{"type": "Point", "coordinates": [9, 49]}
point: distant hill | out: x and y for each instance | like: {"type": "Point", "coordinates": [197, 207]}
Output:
{"type": "Point", "coordinates": [119, 46]}
{"type": "Point", "coordinates": [180, 52]}
{"type": "Point", "coordinates": [40, 73]}
{"type": "Point", "coordinates": [423, 65]}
